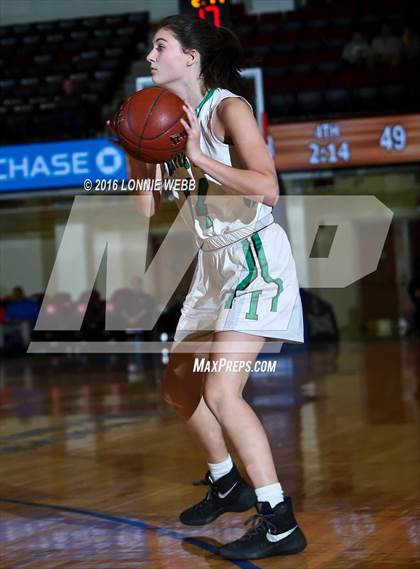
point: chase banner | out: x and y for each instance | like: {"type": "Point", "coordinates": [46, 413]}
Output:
{"type": "Point", "coordinates": [59, 164]}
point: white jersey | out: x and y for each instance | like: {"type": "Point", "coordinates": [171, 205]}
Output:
{"type": "Point", "coordinates": [206, 213]}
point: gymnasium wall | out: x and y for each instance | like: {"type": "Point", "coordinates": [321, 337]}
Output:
{"type": "Point", "coordinates": [21, 263]}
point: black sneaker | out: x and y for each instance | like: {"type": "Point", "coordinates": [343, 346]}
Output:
{"type": "Point", "coordinates": [274, 531]}
{"type": "Point", "coordinates": [228, 494]}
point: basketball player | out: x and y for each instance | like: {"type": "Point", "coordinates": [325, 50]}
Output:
{"type": "Point", "coordinates": [244, 288]}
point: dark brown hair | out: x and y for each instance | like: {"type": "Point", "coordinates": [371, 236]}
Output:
{"type": "Point", "coordinates": [219, 48]}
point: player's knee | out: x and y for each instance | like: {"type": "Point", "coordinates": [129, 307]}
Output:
{"type": "Point", "coordinates": [218, 400]}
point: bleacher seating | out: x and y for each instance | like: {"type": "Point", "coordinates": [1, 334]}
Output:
{"type": "Point", "coordinates": [300, 53]}
{"type": "Point", "coordinates": [94, 53]}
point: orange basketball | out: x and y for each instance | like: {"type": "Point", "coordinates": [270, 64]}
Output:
{"type": "Point", "coordinates": [148, 125]}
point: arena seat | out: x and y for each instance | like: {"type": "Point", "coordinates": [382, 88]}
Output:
{"type": "Point", "coordinates": [94, 53]}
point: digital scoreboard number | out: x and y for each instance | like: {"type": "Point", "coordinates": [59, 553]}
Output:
{"type": "Point", "coordinates": [347, 143]}
{"type": "Point", "coordinates": [215, 11]}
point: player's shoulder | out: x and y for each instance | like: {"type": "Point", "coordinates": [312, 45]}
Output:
{"type": "Point", "coordinates": [232, 106]}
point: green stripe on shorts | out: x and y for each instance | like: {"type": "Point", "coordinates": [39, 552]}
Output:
{"type": "Point", "coordinates": [264, 270]}
{"type": "Point", "coordinates": [251, 276]}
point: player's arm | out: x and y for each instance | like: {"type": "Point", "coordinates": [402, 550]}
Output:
{"type": "Point", "coordinates": [147, 201]}
{"type": "Point", "coordinates": [257, 179]}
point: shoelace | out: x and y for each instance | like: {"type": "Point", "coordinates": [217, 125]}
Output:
{"type": "Point", "coordinates": [212, 492]}
{"type": "Point", "coordinates": [202, 482]}
{"type": "Point", "coordinates": [259, 522]}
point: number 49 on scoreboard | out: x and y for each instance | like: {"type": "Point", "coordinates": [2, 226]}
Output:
{"type": "Point", "coordinates": [216, 11]}
{"type": "Point", "coordinates": [393, 138]}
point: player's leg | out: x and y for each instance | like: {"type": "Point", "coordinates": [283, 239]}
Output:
{"type": "Point", "coordinates": [276, 531]}
{"type": "Point", "coordinates": [223, 395]}
{"type": "Point", "coordinates": [182, 389]}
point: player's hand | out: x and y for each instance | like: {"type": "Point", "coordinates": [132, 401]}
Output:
{"type": "Point", "coordinates": [192, 128]}
{"type": "Point", "coordinates": [112, 135]}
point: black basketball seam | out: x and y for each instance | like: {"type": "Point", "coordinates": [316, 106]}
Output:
{"type": "Point", "coordinates": [132, 131]}
{"type": "Point", "coordinates": [138, 146]}
{"type": "Point", "coordinates": [147, 119]}
{"type": "Point", "coordinates": [131, 143]}
{"type": "Point", "coordinates": [128, 115]}
{"type": "Point", "coordinates": [164, 92]}
{"type": "Point", "coordinates": [148, 116]}
{"type": "Point", "coordinates": [138, 149]}
{"type": "Point", "coordinates": [165, 131]}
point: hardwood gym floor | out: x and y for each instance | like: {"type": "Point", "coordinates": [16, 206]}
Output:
{"type": "Point", "coordinates": [94, 468]}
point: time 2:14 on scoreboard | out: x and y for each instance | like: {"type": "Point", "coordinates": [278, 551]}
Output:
{"type": "Point", "coordinates": [345, 143]}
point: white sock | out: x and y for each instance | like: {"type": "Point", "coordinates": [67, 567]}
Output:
{"type": "Point", "coordinates": [220, 468]}
{"type": "Point", "coordinates": [272, 493]}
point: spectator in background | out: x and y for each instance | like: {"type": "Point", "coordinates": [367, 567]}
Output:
{"type": "Point", "coordinates": [386, 48]}
{"type": "Point", "coordinates": [91, 305]}
{"type": "Point", "coordinates": [410, 45]}
{"type": "Point", "coordinates": [139, 306]}
{"type": "Point", "coordinates": [69, 96]}
{"type": "Point", "coordinates": [21, 314]}
{"type": "Point", "coordinates": [73, 115]}
{"type": "Point", "coordinates": [356, 51]}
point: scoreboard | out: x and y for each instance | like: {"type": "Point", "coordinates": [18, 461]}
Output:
{"type": "Point", "coordinates": [346, 143]}
{"type": "Point", "coordinates": [217, 12]}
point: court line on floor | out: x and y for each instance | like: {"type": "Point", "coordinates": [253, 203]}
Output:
{"type": "Point", "coordinates": [74, 435]}
{"type": "Point", "coordinates": [91, 418]}
{"type": "Point", "coordinates": [67, 435]}
{"type": "Point", "coordinates": [243, 564]}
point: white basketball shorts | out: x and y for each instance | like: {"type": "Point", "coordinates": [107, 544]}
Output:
{"type": "Point", "coordinates": [244, 283]}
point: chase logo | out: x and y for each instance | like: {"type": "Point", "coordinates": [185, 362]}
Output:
{"type": "Point", "coordinates": [60, 164]}
{"type": "Point", "coordinates": [109, 160]}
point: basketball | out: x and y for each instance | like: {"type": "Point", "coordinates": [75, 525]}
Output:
{"type": "Point", "coordinates": [148, 125]}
